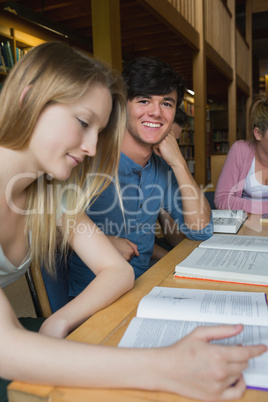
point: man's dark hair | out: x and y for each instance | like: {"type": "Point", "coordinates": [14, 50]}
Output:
{"type": "Point", "coordinates": [181, 117]}
{"type": "Point", "coordinates": [148, 76]}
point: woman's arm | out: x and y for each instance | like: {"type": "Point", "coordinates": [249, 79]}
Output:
{"type": "Point", "coordinates": [230, 185]}
{"type": "Point", "coordinates": [228, 194]}
{"type": "Point", "coordinates": [192, 367]}
{"type": "Point", "coordinates": [114, 277]}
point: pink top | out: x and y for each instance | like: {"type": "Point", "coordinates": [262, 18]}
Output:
{"type": "Point", "coordinates": [230, 185]}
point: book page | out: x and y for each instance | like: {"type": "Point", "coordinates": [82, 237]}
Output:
{"type": "Point", "coordinates": [226, 265]}
{"type": "Point", "coordinates": [247, 243]}
{"type": "Point", "coordinates": [226, 221]}
{"type": "Point", "coordinates": [205, 305]}
{"type": "Point", "coordinates": [229, 213]}
{"type": "Point", "coordinates": [148, 333]}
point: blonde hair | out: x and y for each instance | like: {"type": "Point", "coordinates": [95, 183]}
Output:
{"type": "Point", "coordinates": [55, 73]}
{"type": "Point", "coordinates": [258, 116]}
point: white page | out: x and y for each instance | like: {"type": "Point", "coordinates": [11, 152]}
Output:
{"type": "Point", "coordinates": [147, 333]}
{"type": "Point", "coordinates": [228, 265]}
{"type": "Point", "coordinates": [238, 242]}
{"type": "Point", "coordinates": [226, 221]}
{"type": "Point", "coordinates": [229, 213]}
{"type": "Point", "coordinates": [205, 305]}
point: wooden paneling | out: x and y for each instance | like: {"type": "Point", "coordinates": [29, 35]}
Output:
{"type": "Point", "coordinates": [187, 8]}
{"type": "Point", "coordinates": [259, 6]}
{"type": "Point", "coordinates": [242, 58]}
{"type": "Point", "coordinates": [218, 28]}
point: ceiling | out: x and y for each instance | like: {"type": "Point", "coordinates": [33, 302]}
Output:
{"type": "Point", "coordinates": [142, 34]}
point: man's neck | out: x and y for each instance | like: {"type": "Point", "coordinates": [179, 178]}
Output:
{"type": "Point", "coordinates": [138, 152]}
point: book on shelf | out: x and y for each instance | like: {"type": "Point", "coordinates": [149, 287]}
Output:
{"type": "Point", "coordinates": [7, 54]}
{"type": "Point", "coordinates": [166, 315]}
{"type": "Point", "coordinates": [228, 220]}
{"type": "Point", "coordinates": [4, 55]}
{"type": "Point", "coordinates": [10, 58]}
{"type": "Point", "coordinates": [228, 258]}
{"type": "Point", "coordinates": [2, 62]}
{"type": "Point", "coordinates": [20, 53]}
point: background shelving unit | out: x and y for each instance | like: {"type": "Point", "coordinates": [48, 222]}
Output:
{"type": "Point", "coordinates": [220, 141]}
{"type": "Point", "coordinates": [219, 132]}
{"type": "Point", "coordinates": [186, 141]}
{"type": "Point", "coordinates": [19, 42]}
{"type": "Point", "coordinates": [5, 35]}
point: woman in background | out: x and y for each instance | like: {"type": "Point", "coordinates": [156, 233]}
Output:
{"type": "Point", "coordinates": [243, 182]}
{"type": "Point", "coordinates": [56, 105]}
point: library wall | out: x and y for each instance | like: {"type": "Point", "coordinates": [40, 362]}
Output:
{"type": "Point", "coordinates": [208, 35]}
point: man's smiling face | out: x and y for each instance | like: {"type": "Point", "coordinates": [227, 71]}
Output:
{"type": "Point", "coordinates": [150, 118]}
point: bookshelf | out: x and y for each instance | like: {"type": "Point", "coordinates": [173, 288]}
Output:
{"type": "Point", "coordinates": [5, 37]}
{"type": "Point", "coordinates": [220, 141]}
{"type": "Point", "coordinates": [186, 141]}
{"type": "Point", "coordinates": [219, 132]}
{"type": "Point", "coordinates": [13, 44]}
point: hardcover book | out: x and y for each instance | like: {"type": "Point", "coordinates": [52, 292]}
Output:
{"type": "Point", "coordinates": [227, 220]}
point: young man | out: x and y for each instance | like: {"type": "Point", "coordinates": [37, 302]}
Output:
{"type": "Point", "coordinates": [153, 174]}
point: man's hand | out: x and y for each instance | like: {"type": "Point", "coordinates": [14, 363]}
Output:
{"type": "Point", "coordinates": [196, 209]}
{"type": "Point", "coordinates": [169, 150]}
{"type": "Point", "coordinates": [125, 247]}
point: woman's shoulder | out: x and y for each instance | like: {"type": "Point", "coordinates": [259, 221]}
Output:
{"type": "Point", "coordinates": [243, 146]}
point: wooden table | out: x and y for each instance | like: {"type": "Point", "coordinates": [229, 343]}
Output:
{"type": "Point", "coordinates": [108, 326]}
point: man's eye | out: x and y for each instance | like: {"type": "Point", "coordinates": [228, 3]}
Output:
{"type": "Point", "coordinates": [83, 123]}
{"type": "Point", "coordinates": [143, 101]}
{"type": "Point", "coordinates": [167, 104]}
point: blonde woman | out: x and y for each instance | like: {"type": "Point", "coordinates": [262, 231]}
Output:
{"type": "Point", "coordinates": [56, 105]}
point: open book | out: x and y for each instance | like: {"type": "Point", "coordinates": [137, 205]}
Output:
{"type": "Point", "coordinates": [166, 315]}
{"type": "Point", "coordinates": [228, 220]}
{"type": "Point", "coordinates": [228, 258]}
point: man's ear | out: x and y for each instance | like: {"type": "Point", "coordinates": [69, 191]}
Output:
{"type": "Point", "coordinates": [257, 134]}
{"type": "Point", "coordinates": [24, 92]}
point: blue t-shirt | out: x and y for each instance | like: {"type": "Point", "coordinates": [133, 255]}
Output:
{"type": "Point", "coordinates": [144, 191]}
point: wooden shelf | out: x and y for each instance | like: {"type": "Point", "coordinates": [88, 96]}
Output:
{"type": "Point", "coordinates": [19, 43]}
